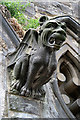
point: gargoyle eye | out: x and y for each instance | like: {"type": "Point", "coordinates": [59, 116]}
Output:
{"type": "Point", "coordinates": [52, 25]}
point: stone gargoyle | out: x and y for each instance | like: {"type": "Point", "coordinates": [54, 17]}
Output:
{"type": "Point", "coordinates": [35, 59]}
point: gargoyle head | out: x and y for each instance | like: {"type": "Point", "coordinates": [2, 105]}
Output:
{"type": "Point", "coordinates": [53, 32]}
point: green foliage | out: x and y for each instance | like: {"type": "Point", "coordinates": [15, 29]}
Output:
{"type": "Point", "coordinates": [16, 9]}
{"type": "Point", "coordinates": [32, 23]}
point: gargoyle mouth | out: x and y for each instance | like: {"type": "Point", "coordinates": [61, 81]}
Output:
{"type": "Point", "coordinates": [56, 39]}
{"type": "Point", "coordinates": [53, 39]}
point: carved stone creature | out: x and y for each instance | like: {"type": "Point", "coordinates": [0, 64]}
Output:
{"type": "Point", "coordinates": [37, 61]}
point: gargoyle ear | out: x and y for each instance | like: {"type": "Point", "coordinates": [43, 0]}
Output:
{"type": "Point", "coordinates": [43, 19]}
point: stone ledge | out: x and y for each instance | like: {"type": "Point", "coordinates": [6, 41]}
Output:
{"type": "Point", "coordinates": [22, 104]}
{"type": "Point", "coordinates": [22, 115]}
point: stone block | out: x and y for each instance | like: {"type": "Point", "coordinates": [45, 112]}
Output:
{"type": "Point", "coordinates": [22, 104]}
{"type": "Point", "coordinates": [22, 115]}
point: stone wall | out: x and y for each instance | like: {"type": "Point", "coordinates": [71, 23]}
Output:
{"type": "Point", "coordinates": [54, 8]}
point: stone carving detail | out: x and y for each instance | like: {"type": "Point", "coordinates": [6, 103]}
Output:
{"type": "Point", "coordinates": [36, 63]}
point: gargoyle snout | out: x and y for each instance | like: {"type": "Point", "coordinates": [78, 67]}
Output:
{"type": "Point", "coordinates": [60, 31]}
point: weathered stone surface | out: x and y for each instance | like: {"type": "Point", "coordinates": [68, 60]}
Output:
{"type": "Point", "coordinates": [30, 10]}
{"type": "Point", "coordinates": [22, 104]}
{"type": "Point", "coordinates": [22, 115]}
{"type": "Point", "coordinates": [62, 114]}
{"type": "Point", "coordinates": [42, 4]}
{"type": "Point", "coordinates": [47, 8]}
{"type": "Point", "coordinates": [58, 7]}
{"type": "Point", "coordinates": [53, 8]}
{"type": "Point", "coordinates": [76, 9]}
{"type": "Point", "coordinates": [48, 11]}
{"type": "Point", "coordinates": [49, 110]}
{"type": "Point", "coordinates": [64, 8]}
{"type": "Point", "coordinates": [48, 4]}
{"type": "Point", "coordinates": [3, 87]}
{"type": "Point", "coordinates": [79, 10]}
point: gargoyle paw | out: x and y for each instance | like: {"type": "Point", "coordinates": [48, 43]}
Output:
{"type": "Point", "coordinates": [16, 85]}
{"type": "Point", "coordinates": [25, 92]}
{"type": "Point", "coordinates": [42, 91]}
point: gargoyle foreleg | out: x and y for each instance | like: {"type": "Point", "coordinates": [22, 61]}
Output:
{"type": "Point", "coordinates": [20, 71]}
{"type": "Point", "coordinates": [32, 72]}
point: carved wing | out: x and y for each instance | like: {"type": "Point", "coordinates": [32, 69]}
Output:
{"type": "Point", "coordinates": [29, 42]}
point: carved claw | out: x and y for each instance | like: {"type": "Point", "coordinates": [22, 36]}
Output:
{"type": "Point", "coordinates": [16, 85]}
{"type": "Point", "coordinates": [28, 93]}
{"type": "Point", "coordinates": [36, 93]}
{"type": "Point", "coordinates": [25, 92]}
{"type": "Point", "coordinates": [42, 91]}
